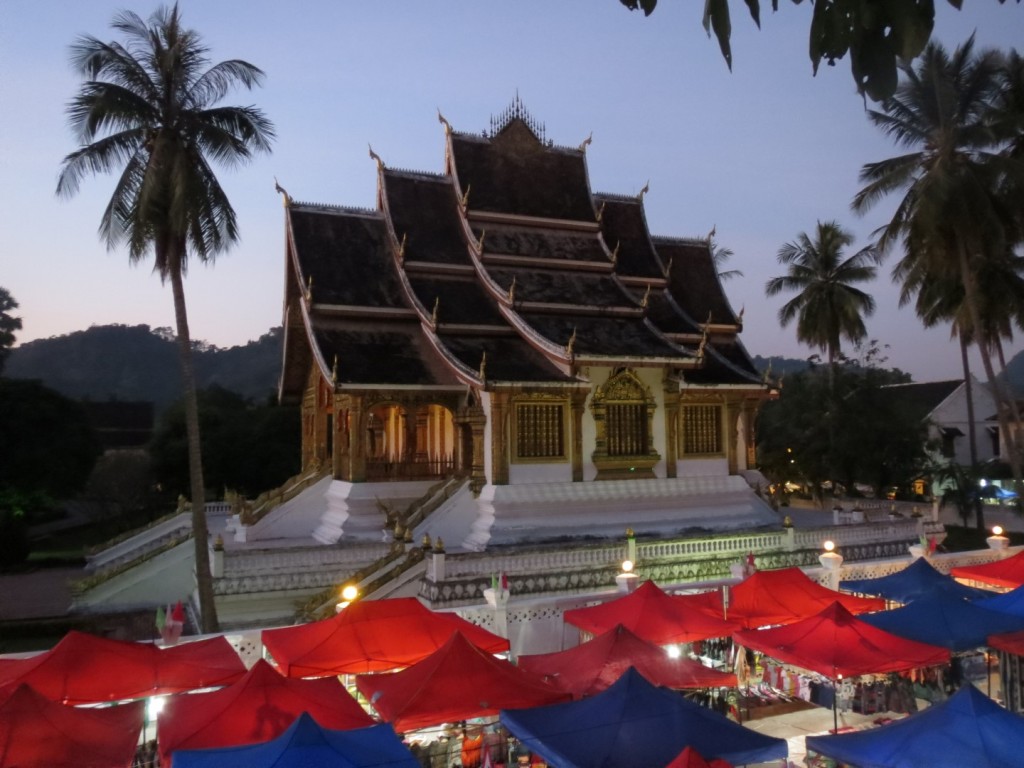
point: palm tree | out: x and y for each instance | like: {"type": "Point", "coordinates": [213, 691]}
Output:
{"type": "Point", "coordinates": [719, 255]}
{"type": "Point", "coordinates": [148, 108]}
{"type": "Point", "coordinates": [956, 212]}
{"type": "Point", "coordinates": [828, 307]}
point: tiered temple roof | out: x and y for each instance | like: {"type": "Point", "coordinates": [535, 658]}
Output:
{"type": "Point", "coordinates": [504, 270]}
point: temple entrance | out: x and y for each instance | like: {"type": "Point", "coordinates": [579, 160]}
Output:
{"type": "Point", "coordinates": [409, 443]}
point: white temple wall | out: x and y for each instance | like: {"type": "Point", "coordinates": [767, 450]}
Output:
{"type": "Point", "coordinates": [540, 473]}
{"type": "Point", "coordinates": [718, 465]}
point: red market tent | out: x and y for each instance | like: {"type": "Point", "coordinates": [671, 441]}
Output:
{"type": "Point", "coordinates": [259, 707]}
{"type": "Point", "coordinates": [653, 615]}
{"type": "Point", "coordinates": [457, 682]}
{"type": "Point", "coordinates": [85, 669]}
{"type": "Point", "coordinates": [690, 758]}
{"type": "Point", "coordinates": [593, 666]}
{"type": "Point", "coordinates": [836, 643]}
{"type": "Point", "coordinates": [371, 636]}
{"type": "Point", "coordinates": [780, 597]}
{"type": "Point", "coordinates": [38, 733]}
{"type": "Point", "coordinates": [1002, 573]}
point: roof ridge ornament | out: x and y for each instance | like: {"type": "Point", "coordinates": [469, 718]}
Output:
{"type": "Point", "coordinates": [433, 315]}
{"type": "Point", "coordinates": [704, 339]}
{"type": "Point", "coordinates": [768, 374]}
{"type": "Point", "coordinates": [668, 267]}
{"type": "Point", "coordinates": [615, 253]}
{"type": "Point", "coordinates": [483, 367]}
{"type": "Point", "coordinates": [600, 212]}
{"type": "Point", "coordinates": [309, 290]}
{"type": "Point", "coordinates": [401, 248]}
{"type": "Point", "coordinates": [287, 199]}
{"type": "Point", "coordinates": [334, 371]}
{"type": "Point", "coordinates": [464, 202]}
{"type": "Point", "coordinates": [516, 111]}
{"type": "Point", "coordinates": [569, 351]}
{"type": "Point", "coordinates": [586, 142]}
{"type": "Point", "coordinates": [375, 156]}
{"type": "Point", "coordinates": [445, 123]}
{"type": "Point", "coordinates": [646, 188]}
{"type": "Point", "coordinates": [711, 234]}
{"type": "Point", "coordinates": [739, 318]}
{"type": "Point", "coordinates": [480, 242]}
{"type": "Point", "coordinates": [512, 291]}
{"type": "Point", "coordinates": [647, 297]}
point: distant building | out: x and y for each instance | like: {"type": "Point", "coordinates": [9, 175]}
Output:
{"type": "Point", "coordinates": [943, 405]}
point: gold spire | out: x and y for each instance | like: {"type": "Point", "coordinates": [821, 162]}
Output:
{"type": "Point", "coordinates": [600, 213]}
{"type": "Point", "coordinates": [442, 121]}
{"type": "Point", "coordinates": [512, 291]}
{"type": "Point", "coordinates": [480, 242]}
{"type": "Point", "coordinates": [483, 366]}
{"type": "Point", "coordinates": [668, 267]}
{"type": "Point", "coordinates": [615, 253]}
{"type": "Point", "coordinates": [401, 247]}
{"type": "Point", "coordinates": [586, 142]}
{"type": "Point", "coordinates": [644, 191]}
{"type": "Point", "coordinates": [433, 315]}
{"type": "Point", "coordinates": [465, 196]}
{"type": "Point", "coordinates": [286, 198]}
{"type": "Point", "coordinates": [569, 351]}
{"type": "Point", "coordinates": [647, 296]}
{"type": "Point", "coordinates": [309, 288]}
{"type": "Point", "coordinates": [375, 156]}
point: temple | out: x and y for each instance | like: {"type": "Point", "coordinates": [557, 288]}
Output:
{"type": "Point", "coordinates": [503, 323]}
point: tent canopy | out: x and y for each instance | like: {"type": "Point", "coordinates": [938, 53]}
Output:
{"type": "Point", "coordinates": [690, 758]}
{"type": "Point", "coordinates": [371, 636]}
{"type": "Point", "coordinates": [593, 666]}
{"type": "Point", "coordinates": [306, 745]}
{"type": "Point", "coordinates": [916, 580]}
{"type": "Point", "coordinates": [1002, 573]}
{"type": "Point", "coordinates": [457, 682]}
{"type": "Point", "coordinates": [966, 729]}
{"type": "Point", "coordinates": [1011, 642]}
{"type": "Point", "coordinates": [634, 724]}
{"type": "Point", "coordinates": [653, 615]}
{"type": "Point", "coordinates": [947, 621]}
{"type": "Point", "coordinates": [38, 733]}
{"type": "Point", "coordinates": [780, 597]}
{"type": "Point", "coordinates": [835, 642]}
{"type": "Point", "coordinates": [1011, 602]}
{"type": "Point", "coordinates": [85, 669]}
{"type": "Point", "coordinates": [258, 707]}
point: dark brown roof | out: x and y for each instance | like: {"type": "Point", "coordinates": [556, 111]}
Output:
{"type": "Point", "coordinates": [462, 300]}
{"type": "Point", "coordinates": [424, 211]}
{"type": "Point", "coordinates": [693, 280]}
{"type": "Point", "coordinates": [562, 287]}
{"type": "Point", "coordinates": [514, 173]}
{"type": "Point", "coordinates": [541, 243]}
{"type": "Point", "coordinates": [615, 337]}
{"type": "Point", "coordinates": [623, 224]}
{"type": "Point", "coordinates": [509, 358]}
{"type": "Point", "coordinates": [373, 352]}
{"type": "Point", "coordinates": [923, 397]}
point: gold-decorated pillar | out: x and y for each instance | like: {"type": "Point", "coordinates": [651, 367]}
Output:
{"type": "Point", "coordinates": [732, 415]}
{"type": "Point", "coordinates": [499, 438]}
{"type": "Point", "coordinates": [671, 427]}
{"type": "Point", "coordinates": [357, 439]}
{"type": "Point", "coordinates": [577, 405]}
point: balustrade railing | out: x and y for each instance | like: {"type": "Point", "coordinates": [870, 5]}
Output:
{"type": "Point", "coordinates": [378, 470]}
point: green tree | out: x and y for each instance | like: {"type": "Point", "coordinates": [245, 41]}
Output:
{"type": "Point", "coordinates": [149, 107]}
{"type": "Point", "coordinates": [8, 325]}
{"type": "Point", "coordinates": [957, 219]}
{"type": "Point", "coordinates": [828, 306]}
{"type": "Point", "coordinates": [877, 34]}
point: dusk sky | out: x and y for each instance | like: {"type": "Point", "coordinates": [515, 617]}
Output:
{"type": "Point", "coordinates": [760, 154]}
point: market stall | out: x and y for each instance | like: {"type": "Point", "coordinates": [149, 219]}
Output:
{"type": "Point", "coordinates": [916, 580]}
{"type": "Point", "coordinates": [593, 666]}
{"type": "Point", "coordinates": [1008, 572]}
{"type": "Point", "coordinates": [370, 636]}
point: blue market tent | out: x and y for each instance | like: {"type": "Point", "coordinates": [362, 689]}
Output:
{"type": "Point", "coordinates": [1011, 602]}
{"type": "Point", "coordinates": [945, 621]}
{"type": "Point", "coordinates": [634, 724]}
{"type": "Point", "coordinates": [916, 580]}
{"type": "Point", "coordinates": [968, 729]}
{"type": "Point", "coordinates": [306, 745]}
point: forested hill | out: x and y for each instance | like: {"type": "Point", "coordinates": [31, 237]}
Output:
{"type": "Point", "coordinates": [135, 362]}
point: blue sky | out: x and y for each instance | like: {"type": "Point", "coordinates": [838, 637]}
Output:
{"type": "Point", "coordinates": [760, 154]}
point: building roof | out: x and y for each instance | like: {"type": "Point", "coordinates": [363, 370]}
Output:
{"type": "Point", "coordinates": [505, 269]}
{"type": "Point", "coordinates": [922, 397]}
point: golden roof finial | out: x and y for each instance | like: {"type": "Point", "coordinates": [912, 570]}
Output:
{"type": "Point", "coordinates": [600, 212]}
{"type": "Point", "coordinates": [375, 156]}
{"type": "Point", "coordinates": [483, 366]}
{"type": "Point", "coordinates": [570, 352]}
{"type": "Point", "coordinates": [465, 196]}
{"type": "Point", "coordinates": [309, 288]}
{"type": "Point", "coordinates": [401, 246]}
{"type": "Point", "coordinates": [425, 541]}
{"type": "Point", "coordinates": [433, 315]}
{"type": "Point", "coordinates": [586, 142]}
{"type": "Point", "coordinates": [768, 373]}
{"type": "Point", "coordinates": [442, 121]}
{"type": "Point", "coordinates": [647, 297]}
{"type": "Point", "coordinates": [668, 267]}
{"type": "Point", "coordinates": [283, 192]}
{"type": "Point", "coordinates": [615, 253]}
{"type": "Point", "coordinates": [439, 544]}
{"type": "Point", "coordinates": [644, 191]}
{"type": "Point", "coordinates": [480, 242]}
{"type": "Point", "coordinates": [704, 339]}
{"type": "Point", "coordinates": [334, 371]}
{"type": "Point", "coordinates": [512, 291]}
{"type": "Point", "coordinates": [739, 318]}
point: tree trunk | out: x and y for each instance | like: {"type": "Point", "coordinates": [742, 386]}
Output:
{"type": "Point", "coordinates": [1005, 404]}
{"type": "Point", "coordinates": [200, 535]}
{"type": "Point", "coordinates": [979, 511]}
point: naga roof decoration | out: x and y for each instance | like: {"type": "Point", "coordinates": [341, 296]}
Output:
{"type": "Point", "coordinates": [509, 257]}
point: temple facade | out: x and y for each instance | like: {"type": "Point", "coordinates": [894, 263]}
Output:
{"type": "Point", "coordinates": [502, 322]}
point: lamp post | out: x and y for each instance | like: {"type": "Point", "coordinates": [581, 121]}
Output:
{"type": "Point", "coordinates": [626, 580]}
{"type": "Point", "coordinates": [831, 561]}
{"type": "Point", "coordinates": [997, 541]}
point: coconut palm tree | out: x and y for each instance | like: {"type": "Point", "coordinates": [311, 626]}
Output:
{"type": "Point", "coordinates": [957, 180]}
{"type": "Point", "coordinates": [148, 108]}
{"type": "Point", "coordinates": [828, 306]}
